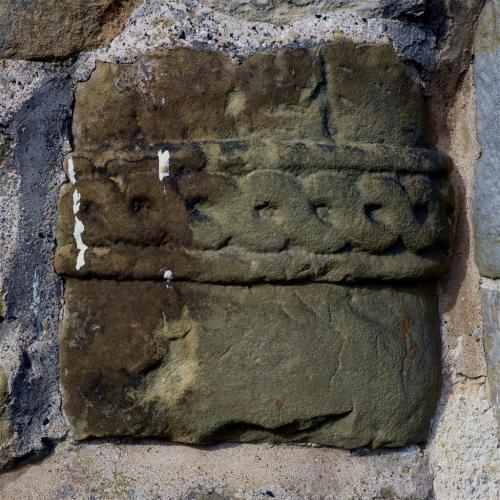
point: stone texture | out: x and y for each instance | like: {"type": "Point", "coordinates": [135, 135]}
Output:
{"type": "Point", "coordinates": [279, 11]}
{"type": "Point", "coordinates": [460, 461]}
{"type": "Point", "coordinates": [145, 470]}
{"type": "Point", "coordinates": [355, 92]}
{"type": "Point", "coordinates": [293, 165]}
{"type": "Point", "coordinates": [437, 39]}
{"type": "Point", "coordinates": [490, 297]}
{"type": "Point", "coordinates": [306, 165]}
{"type": "Point", "coordinates": [462, 451]}
{"type": "Point", "coordinates": [237, 213]}
{"type": "Point", "coordinates": [6, 430]}
{"type": "Point", "coordinates": [487, 187]}
{"type": "Point", "coordinates": [4, 146]}
{"type": "Point", "coordinates": [487, 184]}
{"type": "Point", "coordinates": [202, 363]}
{"type": "Point", "coordinates": [9, 207]}
{"type": "Point", "coordinates": [30, 181]}
{"type": "Point", "coordinates": [50, 29]}
{"type": "Point", "coordinates": [468, 467]}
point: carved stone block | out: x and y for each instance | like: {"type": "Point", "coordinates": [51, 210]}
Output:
{"type": "Point", "coordinates": [225, 234]}
{"type": "Point", "coordinates": [241, 212]}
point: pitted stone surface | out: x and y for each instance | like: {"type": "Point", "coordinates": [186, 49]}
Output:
{"type": "Point", "coordinates": [282, 10]}
{"type": "Point", "coordinates": [490, 297]}
{"type": "Point", "coordinates": [6, 430]}
{"type": "Point", "coordinates": [193, 176]}
{"type": "Point", "coordinates": [31, 290]}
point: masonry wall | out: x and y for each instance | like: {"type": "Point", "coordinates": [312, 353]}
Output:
{"type": "Point", "coordinates": [47, 52]}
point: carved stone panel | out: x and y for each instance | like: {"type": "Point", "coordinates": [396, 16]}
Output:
{"type": "Point", "coordinates": [244, 211]}
{"type": "Point", "coordinates": [226, 233]}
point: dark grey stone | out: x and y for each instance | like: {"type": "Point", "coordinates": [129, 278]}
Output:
{"type": "Point", "coordinates": [33, 289]}
{"type": "Point", "coordinates": [487, 184]}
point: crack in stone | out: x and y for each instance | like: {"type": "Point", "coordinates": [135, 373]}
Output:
{"type": "Point", "coordinates": [294, 430]}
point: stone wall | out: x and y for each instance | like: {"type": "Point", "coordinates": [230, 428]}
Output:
{"type": "Point", "coordinates": [81, 113]}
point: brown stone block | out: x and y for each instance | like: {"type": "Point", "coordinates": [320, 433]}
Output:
{"type": "Point", "coordinates": [52, 29]}
{"type": "Point", "coordinates": [342, 92]}
{"type": "Point", "coordinates": [372, 96]}
{"type": "Point", "coordinates": [213, 209]}
{"type": "Point", "coordinates": [196, 363]}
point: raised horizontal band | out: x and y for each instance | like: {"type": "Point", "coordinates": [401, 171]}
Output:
{"type": "Point", "coordinates": [203, 223]}
{"type": "Point", "coordinates": [243, 156]}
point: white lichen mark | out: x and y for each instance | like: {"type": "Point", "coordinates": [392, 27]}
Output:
{"type": "Point", "coordinates": [71, 171]}
{"type": "Point", "coordinates": [79, 227]}
{"type": "Point", "coordinates": [163, 164]}
{"type": "Point", "coordinates": [77, 233]}
{"type": "Point", "coordinates": [76, 201]}
{"type": "Point", "coordinates": [168, 275]}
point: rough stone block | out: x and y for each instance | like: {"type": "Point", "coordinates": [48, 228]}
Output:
{"type": "Point", "coordinates": [207, 201]}
{"type": "Point", "coordinates": [342, 92]}
{"type": "Point", "coordinates": [201, 363]}
{"type": "Point", "coordinates": [48, 29]}
{"type": "Point", "coordinates": [294, 165]}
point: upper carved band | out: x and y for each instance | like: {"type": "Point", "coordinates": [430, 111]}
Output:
{"type": "Point", "coordinates": [276, 211]}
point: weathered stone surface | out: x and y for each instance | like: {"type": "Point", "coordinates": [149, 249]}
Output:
{"type": "Point", "coordinates": [457, 462]}
{"type": "Point", "coordinates": [240, 212]}
{"type": "Point", "coordinates": [30, 182]}
{"type": "Point", "coordinates": [282, 10]}
{"type": "Point", "coordinates": [490, 298]}
{"type": "Point", "coordinates": [116, 469]}
{"type": "Point", "coordinates": [343, 91]}
{"type": "Point", "coordinates": [3, 148]}
{"type": "Point", "coordinates": [487, 185]}
{"type": "Point", "coordinates": [191, 176]}
{"type": "Point", "coordinates": [48, 29]}
{"type": "Point", "coordinates": [199, 363]}
{"type": "Point", "coordinates": [6, 430]}
{"type": "Point", "coordinates": [304, 165]}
